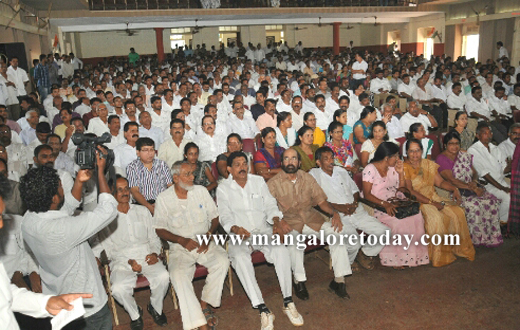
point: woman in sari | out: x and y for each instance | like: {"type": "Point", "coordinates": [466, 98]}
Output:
{"type": "Point", "coordinates": [341, 116]}
{"type": "Point", "coordinates": [268, 160]}
{"type": "Point", "coordinates": [201, 170]}
{"type": "Point", "coordinates": [418, 132]}
{"type": "Point", "coordinates": [381, 179]}
{"type": "Point", "coordinates": [285, 134]}
{"type": "Point", "coordinates": [344, 154]}
{"type": "Point", "coordinates": [461, 123]}
{"type": "Point", "coordinates": [482, 208]}
{"type": "Point", "coordinates": [422, 177]}
{"type": "Point", "coordinates": [310, 120]}
{"type": "Point", "coordinates": [305, 147]}
{"type": "Point", "coordinates": [363, 126]}
{"type": "Point", "coordinates": [234, 143]}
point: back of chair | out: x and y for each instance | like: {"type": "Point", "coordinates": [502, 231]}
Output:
{"type": "Point", "coordinates": [402, 141]}
{"type": "Point", "coordinates": [357, 148]}
{"type": "Point", "coordinates": [436, 149]}
{"type": "Point", "coordinates": [441, 140]}
{"type": "Point", "coordinates": [214, 170]}
{"type": "Point", "coordinates": [248, 145]}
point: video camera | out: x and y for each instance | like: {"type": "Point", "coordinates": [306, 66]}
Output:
{"type": "Point", "coordinates": [85, 155]}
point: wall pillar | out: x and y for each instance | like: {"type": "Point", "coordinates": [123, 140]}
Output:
{"type": "Point", "coordinates": [335, 38]}
{"type": "Point", "coordinates": [160, 44]}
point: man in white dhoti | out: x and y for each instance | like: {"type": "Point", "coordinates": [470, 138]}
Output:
{"type": "Point", "coordinates": [184, 212]}
{"type": "Point", "coordinates": [133, 248]}
{"type": "Point", "coordinates": [246, 208]}
{"type": "Point", "coordinates": [343, 194]}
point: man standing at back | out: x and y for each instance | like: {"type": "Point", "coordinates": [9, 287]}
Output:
{"type": "Point", "coordinates": [60, 241]}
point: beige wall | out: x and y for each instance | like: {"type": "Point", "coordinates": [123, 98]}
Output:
{"type": "Point", "coordinates": [208, 36]}
{"type": "Point", "coordinates": [254, 34]}
{"type": "Point", "coordinates": [104, 44]}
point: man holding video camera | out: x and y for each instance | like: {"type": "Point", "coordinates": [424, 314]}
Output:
{"type": "Point", "coordinates": [59, 240]}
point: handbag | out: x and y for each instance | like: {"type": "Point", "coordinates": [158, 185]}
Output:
{"type": "Point", "coordinates": [405, 206]}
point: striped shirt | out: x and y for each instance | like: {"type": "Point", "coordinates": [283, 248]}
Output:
{"type": "Point", "coordinates": [41, 75]}
{"type": "Point", "coordinates": [150, 182]}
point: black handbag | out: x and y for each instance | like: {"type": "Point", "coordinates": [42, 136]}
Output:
{"type": "Point", "coordinates": [405, 206]}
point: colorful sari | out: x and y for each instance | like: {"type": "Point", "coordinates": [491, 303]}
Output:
{"type": "Point", "coordinates": [263, 156]}
{"type": "Point", "coordinates": [341, 154]}
{"type": "Point", "coordinates": [513, 224]}
{"type": "Point", "coordinates": [481, 212]}
{"type": "Point", "coordinates": [450, 220]}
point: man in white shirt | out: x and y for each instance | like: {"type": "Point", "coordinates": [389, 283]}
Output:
{"type": "Point", "coordinates": [28, 134]}
{"type": "Point", "coordinates": [492, 166]}
{"type": "Point", "coordinates": [417, 115]}
{"type": "Point", "coordinates": [359, 70]}
{"type": "Point", "coordinates": [18, 76]}
{"type": "Point", "coordinates": [132, 246]}
{"type": "Point", "coordinates": [186, 216]}
{"type": "Point", "coordinates": [297, 113]}
{"type": "Point", "coordinates": [172, 149]}
{"type": "Point", "coordinates": [160, 117]}
{"type": "Point", "coordinates": [126, 153]}
{"type": "Point", "coordinates": [59, 240]}
{"type": "Point", "coordinates": [99, 125]}
{"type": "Point", "coordinates": [477, 107]}
{"type": "Point", "coordinates": [148, 130]}
{"type": "Point", "coordinates": [502, 51]}
{"type": "Point", "coordinates": [393, 124]}
{"type": "Point", "coordinates": [380, 85]}
{"type": "Point", "coordinates": [500, 108]}
{"type": "Point", "coordinates": [508, 146]}
{"type": "Point", "coordinates": [457, 99]}
{"type": "Point", "coordinates": [514, 99]}
{"type": "Point", "coordinates": [406, 88]}
{"type": "Point", "coordinates": [114, 125]}
{"type": "Point", "coordinates": [76, 62]}
{"type": "Point", "coordinates": [323, 118]}
{"type": "Point", "coordinates": [241, 124]}
{"type": "Point", "coordinates": [16, 154]}
{"type": "Point", "coordinates": [62, 160]}
{"type": "Point", "coordinates": [343, 194]}
{"type": "Point", "coordinates": [246, 208]}
{"type": "Point", "coordinates": [284, 103]}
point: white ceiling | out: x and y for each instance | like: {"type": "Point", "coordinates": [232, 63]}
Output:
{"type": "Point", "coordinates": [86, 24]}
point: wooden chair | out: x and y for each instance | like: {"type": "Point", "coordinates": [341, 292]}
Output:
{"type": "Point", "coordinates": [141, 283]}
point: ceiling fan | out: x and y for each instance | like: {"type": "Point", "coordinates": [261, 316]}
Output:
{"type": "Point", "coordinates": [128, 31]}
{"type": "Point", "coordinates": [197, 28]}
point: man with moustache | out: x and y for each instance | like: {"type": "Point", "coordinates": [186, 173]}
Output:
{"type": "Point", "coordinates": [246, 206]}
{"type": "Point", "coordinates": [126, 153]}
{"type": "Point", "coordinates": [131, 113]}
{"type": "Point", "coordinates": [297, 193]}
{"type": "Point", "coordinates": [508, 146]}
{"type": "Point", "coordinates": [183, 213]}
{"type": "Point", "coordinates": [297, 113]}
{"type": "Point", "coordinates": [172, 150]}
{"type": "Point", "coordinates": [132, 246]}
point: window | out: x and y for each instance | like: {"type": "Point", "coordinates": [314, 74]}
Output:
{"type": "Point", "coordinates": [228, 28]}
{"type": "Point", "coordinates": [273, 27]}
{"type": "Point", "coordinates": [177, 40]}
{"type": "Point", "coordinates": [180, 30]}
{"type": "Point", "coordinates": [470, 46]}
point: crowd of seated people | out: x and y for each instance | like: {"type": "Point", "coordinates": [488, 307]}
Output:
{"type": "Point", "coordinates": [250, 140]}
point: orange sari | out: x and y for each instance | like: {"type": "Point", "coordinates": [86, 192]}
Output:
{"type": "Point", "coordinates": [450, 220]}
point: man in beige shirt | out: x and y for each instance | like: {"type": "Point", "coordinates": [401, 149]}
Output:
{"type": "Point", "coordinates": [297, 193]}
